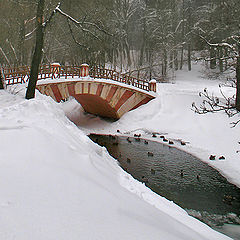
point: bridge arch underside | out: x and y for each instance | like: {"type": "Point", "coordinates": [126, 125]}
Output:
{"type": "Point", "coordinates": [102, 99]}
{"type": "Point", "coordinates": [96, 105]}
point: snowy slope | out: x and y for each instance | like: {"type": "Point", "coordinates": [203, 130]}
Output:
{"type": "Point", "coordinates": [57, 184]}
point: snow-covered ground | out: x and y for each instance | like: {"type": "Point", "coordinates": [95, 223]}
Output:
{"type": "Point", "coordinates": [170, 114]}
{"type": "Point", "coordinates": [57, 184]}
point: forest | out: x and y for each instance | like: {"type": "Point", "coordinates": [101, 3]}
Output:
{"type": "Point", "coordinates": [147, 38]}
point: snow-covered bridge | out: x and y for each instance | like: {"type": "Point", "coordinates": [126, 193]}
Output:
{"type": "Point", "coordinates": [103, 92]}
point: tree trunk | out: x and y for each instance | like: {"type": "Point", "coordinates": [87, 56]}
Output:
{"type": "Point", "coordinates": [1, 80]}
{"type": "Point", "coordinates": [165, 63]}
{"type": "Point", "coordinates": [212, 58]}
{"type": "Point", "coordinates": [181, 59]}
{"type": "Point", "coordinates": [238, 84]}
{"type": "Point", "coordinates": [37, 56]}
{"type": "Point", "coordinates": [171, 60]}
{"type": "Point", "coordinates": [175, 56]}
{"type": "Point", "coordinates": [220, 53]}
{"type": "Point", "coordinates": [225, 61]}
{"type": "Point", "coordinates": [189, 57]}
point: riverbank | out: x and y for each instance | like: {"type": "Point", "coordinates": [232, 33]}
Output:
{"type": "Point", "coordinates": [57, 184]}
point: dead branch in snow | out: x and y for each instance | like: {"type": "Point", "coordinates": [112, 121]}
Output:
{"type": "Point", "coordinates": [213, 104]}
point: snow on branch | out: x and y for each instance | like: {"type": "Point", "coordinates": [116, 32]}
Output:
{"type": "Point", "coordinates": [28, 35]}
{"type": "Point", "coordinates": [45, 24]}
{"type": "Point", "coordinates": [212, 104]}
{"type": "Point", "coordinates": [223, 44]}
{"type": "Point", "coordinates": [80, 24]}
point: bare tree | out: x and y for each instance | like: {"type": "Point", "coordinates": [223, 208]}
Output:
{"type": "Point", "coordinates": [37, 56]}
{"type": "Point", "coordinates": [41, 26]}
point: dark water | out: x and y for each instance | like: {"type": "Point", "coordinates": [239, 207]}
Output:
{"type": "Point", "coordinates": [178, 176]}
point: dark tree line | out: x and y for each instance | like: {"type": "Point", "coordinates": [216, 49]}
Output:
{"type": "Point", "coordinates": [156, 35]}
{"type": "Point", "coordinates": [146, 38]}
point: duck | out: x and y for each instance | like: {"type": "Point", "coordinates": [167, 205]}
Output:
{"type": "Point", "coordinates": [153, 171]}
{"type": "Point", "coordinates": [128, 139]}
{"type": "Point", "coordinates": [137, 135]}
{"type": "Point", "coordinates": [171, 142]}
{"type": "Point", "coordinates": [165, 140]}
{"type": "Point", "coordinates": [162, 136]}
{"type": "Point", "coordinates": [118, 131]}
{"type": "Point", "coordinates": [222, 158]}
{"type": "Point", "coordinates": [228, 199]}
{"type": "Point", "coordinates": [145, 142]}
{"type": "Point", "coordinates": [150, 154]}
{"type": "Point", "coordinates": [183, 143]}
{"type": "Point", "coordinates": [154, 135]}
{"type": "Point", "coordinates": [212, 157]}
{"type": "Point", "coordinates": [181, 173]}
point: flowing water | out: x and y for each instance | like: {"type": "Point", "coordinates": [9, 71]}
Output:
{"type": "Point", "coordinates": [180, 177]}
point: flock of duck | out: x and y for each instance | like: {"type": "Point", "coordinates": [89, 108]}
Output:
{"type": "Point", "coordinates": [228, 199]}
{"type": "Point", "coordinates": [165, 140]}
{"type": "Point", "coordinates": [137, 137]}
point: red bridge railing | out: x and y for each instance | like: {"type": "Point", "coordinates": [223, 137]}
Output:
{"type": "Point", "coordinates": [97, 72]}
{"type": "Point", "coordinates": [17, 75]}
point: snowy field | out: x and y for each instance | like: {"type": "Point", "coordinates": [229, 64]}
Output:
{"type": "Point", "coordinates": [57, 184]}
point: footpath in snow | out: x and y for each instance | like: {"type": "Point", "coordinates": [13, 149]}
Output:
{"type": "Point", "coordinates": [55, 183]}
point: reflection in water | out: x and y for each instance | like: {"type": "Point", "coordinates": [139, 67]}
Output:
{"type": "Point", "coordinates": [179, 177]}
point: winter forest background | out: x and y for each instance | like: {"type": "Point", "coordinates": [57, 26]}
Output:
{"type": "Point", "coordinates": [147, 38]}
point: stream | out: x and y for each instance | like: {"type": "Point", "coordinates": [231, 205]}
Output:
{"type": "Point", "coordinates": [180, 177]}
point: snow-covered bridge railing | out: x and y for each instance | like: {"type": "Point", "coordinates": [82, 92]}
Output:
{"type": "Point", "coordinates": [17, 75]}
{"type": "Point", "coordinates": [97, 72]}
{"type": "Point", "coordinates": [106, 93]}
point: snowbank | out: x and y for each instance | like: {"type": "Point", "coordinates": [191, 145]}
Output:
{"type": "Point", "coordinates": [57, 184]}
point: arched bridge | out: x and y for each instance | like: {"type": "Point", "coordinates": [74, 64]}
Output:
{"type": "Point", "coordinates": [100, 91]}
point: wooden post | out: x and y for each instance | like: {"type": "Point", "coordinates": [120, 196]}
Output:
{"type": "Point", "coordinates": [153, 85]}
{"type": "Point", "coordinates": [55, 69]}
{"type": "Point", "coordinates": [84, 70]}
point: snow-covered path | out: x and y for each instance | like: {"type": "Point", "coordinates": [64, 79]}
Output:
{"type": "Point", "coordinates": [57, 184]}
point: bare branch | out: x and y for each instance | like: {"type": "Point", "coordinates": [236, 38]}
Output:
{"type": "Point", "coordinates": [75, 21]}
{"type": "Point", "coordinates": [75, 40]}
{"type": "Point", "coordinates": [234, 124]}
{"type": "Point", "coordinates": [224, 44]}
{"type": "Point", "coordinates": [45, 24]}
{"type": "Point", "coordinates": [212, 104]}
{"type": "Point", "coordinates": [5, 56]}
